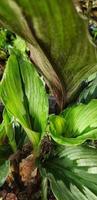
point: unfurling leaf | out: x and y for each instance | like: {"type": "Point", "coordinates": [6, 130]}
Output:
{"type": "Point", "coordinates": [77, 124]}
{"type": "Point", "coordinates": [24, 96]}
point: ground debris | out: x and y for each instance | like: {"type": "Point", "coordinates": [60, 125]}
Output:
{"type": "Point", "coordinates": [27, 169]}
{"type": "Point", "coordinates": [3, 194]}
{"type": "Point", "coordinates": [11, 196]}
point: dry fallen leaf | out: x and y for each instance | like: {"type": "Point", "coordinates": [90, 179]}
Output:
{"type": "Point", "coordinates": [27, 169]}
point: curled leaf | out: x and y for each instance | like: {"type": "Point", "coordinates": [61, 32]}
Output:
{"type": "Point", "coordinates": [78, 123]}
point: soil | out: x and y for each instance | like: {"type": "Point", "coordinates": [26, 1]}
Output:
{"type": "Point", "coordinates": [14, 188]}
{"type": "Point", "coordinates": [17, 189]}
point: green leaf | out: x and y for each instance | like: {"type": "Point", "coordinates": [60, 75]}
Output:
{"type": "Point", "coordinates": [11, 17]}
{"type": "Point", "coordinates": [20, 44]}
{"type": "Point", "coordinates": [19, 88]}
{"type": "Point", "coordinates": [72, 173]}
{"type": "Point", "coordinates": [2, 38]}
{"type": "Point", "coordinates": [20, 136]}
{"type": "Point", "coordinates": [6, 40]}
{"type": "Point", "coordinates": [4, 171]}
{"type": "Point", "coordinates": [36, 95]}
{"type": "Point", "coordinates": [9, 130]}
{"type": "Point", "coordinates": [59, 44]}
{"type": "Point", "coordinates": [77, 124]}
{"type": "Point", "coordinates": [90, 91]}
{"type": "Point", "coordinates": [2, 132]}
{"type": "Point", "coordinates": [44, 187]}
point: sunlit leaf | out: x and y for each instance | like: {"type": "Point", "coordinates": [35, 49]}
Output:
{"type": "Point", "coordinates": [18, 92]}
{"type": "Point", "coordinates": [20, 44]}
{"type": "Point", "coordinates": [36, 95]}
{"type": "Point", "coordinates": [75, 125]}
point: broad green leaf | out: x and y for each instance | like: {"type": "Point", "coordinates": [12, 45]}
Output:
{"type": "Point", "coordinates": [36, 95]}
{"type": "Point", "coordinates": [4, 171]}
{"type": "Point", "coordinates": [72, 173]}
{"type": "Point", "coordinates": [12, 18]}
{"type": "Point", "coordinates": [9, 12]}
{"type": "Point", "coordinates": [19, 87]}
{"type": "Point", "coordinates": [59, 44]}
{"type": "Point", "coordinates": [75, 125]}
{"type": "Point", "coordinates": [10, 87]}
